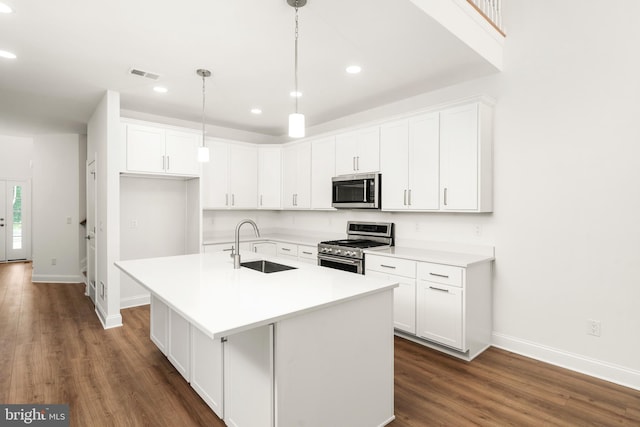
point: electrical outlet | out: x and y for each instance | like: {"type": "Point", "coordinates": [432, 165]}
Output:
{"type": "Point", "coordinates": [478, 230]}
{"type": "Point", "coordinates": [594, 327]}
{"type": "Point", "coordinates": [54, 261]}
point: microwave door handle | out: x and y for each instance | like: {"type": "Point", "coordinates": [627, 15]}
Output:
{"type": "Point", "coordinates": [364, 190]}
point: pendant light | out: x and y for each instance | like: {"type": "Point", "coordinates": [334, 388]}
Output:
{"type": "Point", "coordinates": [203, 151]}
{"type": "Point", "coordinates": [296, 120]}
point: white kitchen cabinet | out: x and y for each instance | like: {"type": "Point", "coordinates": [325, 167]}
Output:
{"type": "Point", "coordinates": [308, 254]}
{"type": "Point", "coordinates": [249, 381]}
{"type": "Point", "coordinates": [409, 162]}
{"type": "Point", "coordinates": [404, 296]}
{"type": "Point", "coordinates": [440, 314]}
{"type": "Point", "coordinates": [296, 175]}
{"type": "Point", "coordinates": [179, 345]}
{"type": "Point", "coordinates": [159, 323]}
{"type": "Point", "coordinates": [466, 158]}
{"type": "Point", "coordinates": [323, 168]}
{"type": "Point", "coordinates": [265, 248]}
{"type": "Point", "coordinates": [270, 177]}
{"type": "Point", "coordinates": [226, 247]}
{"type": "Point", "coordinates": [207, 369]}
{"type": "Point", "coordinates": [156, 150]}
{"type": "Point", "coordinates": [230, 178]}
{"type": "Point", "coordinates": [358, 151]}
{"type": "Point", "coordinates": [287, 250]}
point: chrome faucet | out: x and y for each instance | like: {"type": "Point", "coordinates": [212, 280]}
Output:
{"type": "Point", "coordinates": [235, 251]}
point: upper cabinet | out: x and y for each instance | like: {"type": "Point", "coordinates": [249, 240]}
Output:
{"type": "Point", "coordinates": [323, 168]}
{"type": "Point", "coordinates": [296, 175]}
{"type": "Point", "coordinates": [269, 177]}
{"type": "Point", "coordinates": [358, 151]}
{"type": "Point", "coordinates": [230, 178]}
{"type": "Point", "coordinates": [409, 163]}
{"type": "Point", "coordinates": [160, 151]}
{"type": "Point", "coordinates": [466, 158]}
{"type": "Point", "coordinates": [438, 161]}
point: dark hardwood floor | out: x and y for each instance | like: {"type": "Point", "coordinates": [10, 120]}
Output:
{"type": "Point", "coordinates": [54, 350]}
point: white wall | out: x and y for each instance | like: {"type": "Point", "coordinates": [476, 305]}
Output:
{"type": "Point", "coordinates": [56, 228]}
{"type": "Point", "coordinates": [152, 218]}
{"type": "Point", "coordinates": [16, 156]}
{"type": "Point", "coordinates": [565, 223]}
{"type": "Point", "coordinates": [103, 146]}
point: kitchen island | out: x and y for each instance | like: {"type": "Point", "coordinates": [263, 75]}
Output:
{"type": "Point", "coordinates": [309, 346]}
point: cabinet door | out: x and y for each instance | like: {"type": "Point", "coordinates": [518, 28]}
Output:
{"type": "Point", "coordinates": [182, 153]}
{"type": "Point", "coordinates": [266, 248]}
{"type": "Point", "coordinates": [243, 176]}
{"type": "Point", "coordinates": [287, 250]}
{"type": "Point", "coordinates": [394, 159]}
{"type": "Point", "coordinates": [215, 176]}
{"type": "Point", "coordinates": [439, 314]}
{"type": "Point", "coordinates": [303, 176]}
{"type": "Point", "coordinates": [308, 254]}
{"type": "Point", "coordinates": [368, 155]}
{"type": "Point", "coordinates": [404, 301]}
{"type": "Point", "coordinates": [289, 175]}
{"type": "Point", "coordinates": [159, 323]}
{"type": "Point", "coordinates": [269, 177]}
{"type": "Point", "coordinates": [346, 149]}
{"type": "Point", "coordinates": [248, 378]}
{"type": "Point", "coordinates": [424, 162]}
{"type": "Point", "coordinates": [145, 149]}
{"type": "Point", "coordinates": [459, 157]}
{"type": "Point", "coordinates": [206, 369]}
{"type": "Point", "coordinates": [323, 168]}
{"type": "Point", "coordinates": [178, 352]}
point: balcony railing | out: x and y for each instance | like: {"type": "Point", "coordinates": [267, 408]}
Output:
{"type": "Point", "coordinates": [491, 11]}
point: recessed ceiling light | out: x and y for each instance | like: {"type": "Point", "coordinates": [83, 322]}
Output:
{"type": "Point", "coordinates": [8, 55]}
{"type": "Point", "coordinates": [160, 89]}
{"type": "Point", "coordinates": [5, 8]}
{"type": "Point", "coordinates": [256, 111]}
{"type": "Point", "coordinates": [295, 94]}
{"type": "Point", "coordinates": [353, 69]}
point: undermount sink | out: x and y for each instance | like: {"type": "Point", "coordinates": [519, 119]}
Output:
{"type": "Point", "coordinates": [265, 266]}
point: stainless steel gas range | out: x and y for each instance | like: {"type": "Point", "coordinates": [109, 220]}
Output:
{"type": "Point", "coordinates": [348, 254]}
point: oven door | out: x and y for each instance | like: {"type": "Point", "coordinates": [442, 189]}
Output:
{"type": "Point", "coordinates": [339, 263]}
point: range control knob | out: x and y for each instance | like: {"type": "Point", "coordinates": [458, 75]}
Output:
{"type": "Point", "coordinates": [338, 251]}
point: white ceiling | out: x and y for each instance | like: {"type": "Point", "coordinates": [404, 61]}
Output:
{"type": "Point", "coordinates": [71, 51]}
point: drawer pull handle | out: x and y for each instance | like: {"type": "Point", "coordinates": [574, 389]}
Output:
{"type": "Point", "coordinates": [228, 249]}
{"type": "Point", "coordinates": [307, 253]}
{"type": "Point", "coordinates": [439, 275]}
{"type": "Point", "coordinates": [439, 289]}
{"type": "Point", "coordinates": [388, 266]}
{"type": "Point", "coordinates": [286, 249]}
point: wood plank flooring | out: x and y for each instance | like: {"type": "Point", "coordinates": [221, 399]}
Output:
{"type": "Point", "coordinates": [54, 350]}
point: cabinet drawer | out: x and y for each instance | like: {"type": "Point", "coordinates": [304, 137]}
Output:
{"type": "Point", "coordinates": [287, 249]}
{"type": "Point", "coordinates": [308, 252]}
{"type": "Point", "coordinates": [389, 265]}
{"type": "Point", "coordinates": [440, 273]}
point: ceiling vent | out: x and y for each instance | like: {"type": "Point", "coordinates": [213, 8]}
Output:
{"type": "Point", "coordinates": [147, 74]}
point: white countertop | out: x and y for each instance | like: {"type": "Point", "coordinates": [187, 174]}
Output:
{"type": "Point", "coordinates": [220, 300]}
{"type": "Point", "coordinates": [457, 259]}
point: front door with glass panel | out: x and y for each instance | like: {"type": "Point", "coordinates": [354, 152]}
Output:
{"type": "Point", "coordinates": [15, 225]}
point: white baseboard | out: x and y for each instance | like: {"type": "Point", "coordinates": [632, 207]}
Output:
{"type": "Point", "coordinates": [108, 322]}
{"type": "Point", "coordinates": [135, 301]}
{"type": "Point", "coordinates": [596, 368]}
{"type": "Point", "coordinates": [53, 278]}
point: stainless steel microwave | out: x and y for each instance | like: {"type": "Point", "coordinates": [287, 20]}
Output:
{"type": "Point", "coordinates": [360, 191]}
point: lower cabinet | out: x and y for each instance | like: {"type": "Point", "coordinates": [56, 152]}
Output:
{"type": "Point", "coordinates": [179, 343]}
{"type": "Point", "coordinates": [266, 248]}
{"type": "Point", "coordinates": [404, 296]}
{"type": "Point", "coordinates": [442, 306]}
{"type": "Point", "coordinates": [206, 369]}
{"type": "Point", "coordinates": [159, 324]}
{"type": "Point", "coordinates": [308, 254]}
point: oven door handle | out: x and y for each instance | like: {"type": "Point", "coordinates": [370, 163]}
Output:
{"type": "Point", "coordinates": [340, 260]}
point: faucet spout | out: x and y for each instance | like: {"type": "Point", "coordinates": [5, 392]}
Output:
{"type": "Point", "coordinates": [235, 251]}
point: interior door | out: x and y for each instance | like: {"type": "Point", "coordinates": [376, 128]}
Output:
{"type": "Point", "coordinates": [17, 215]}
{"type": "Point", "coordinates": [3, 221]}
{"type": "Point", "coordinates": [91, 231]}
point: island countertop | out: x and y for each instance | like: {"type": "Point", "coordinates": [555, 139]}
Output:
{"type": "Point", "coordinates": [220, 300]}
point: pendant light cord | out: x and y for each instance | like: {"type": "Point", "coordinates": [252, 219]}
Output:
{"type": "Point", "coordinates": [296, 58]}
{"type": "Point", "coordinates": [203, 95]}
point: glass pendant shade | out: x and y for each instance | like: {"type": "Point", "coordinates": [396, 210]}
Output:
{"type": "Point", "coordinates": [296, 125]}
{"type": "Point", "coordinates": [203, 154]}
